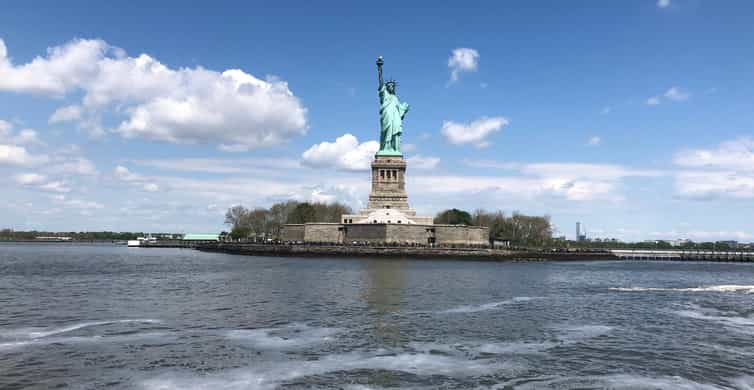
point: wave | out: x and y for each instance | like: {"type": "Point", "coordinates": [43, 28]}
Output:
{"type": "Point", "coordinates": [624, 382]}
{"type": "Point", "coordinates": [13, 345]}
{"type": "Point", "coordinates": [733, 322]}
{"type": "Point", "coordinates": [287, 337]}
{"type": "Point", "coordinates": [270, 375]}
{"type": "Point", "coordinates": [720, 288]}
{"type": "Point", "coordinates": [487, 306]}
{"type": "Point", "coordinates": [36, 333]}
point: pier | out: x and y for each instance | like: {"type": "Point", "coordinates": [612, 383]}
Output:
{"type": "Point", "coordinates": [682, 255]}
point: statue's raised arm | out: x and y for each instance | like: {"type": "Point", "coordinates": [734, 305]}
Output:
{"type": "Point", "coordinates": [380, 61]}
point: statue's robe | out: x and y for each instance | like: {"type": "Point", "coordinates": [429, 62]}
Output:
{"type": "Point", "coordinates": [391, 120]}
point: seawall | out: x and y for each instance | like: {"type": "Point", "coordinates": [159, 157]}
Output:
{"type": "Point", "coordinates": [251, 249]}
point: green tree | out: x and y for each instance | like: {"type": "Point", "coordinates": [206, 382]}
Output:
{"type": "Point", "coordinates": [453, 217]}
{"type": "Point", "coordinates": [302, 213]}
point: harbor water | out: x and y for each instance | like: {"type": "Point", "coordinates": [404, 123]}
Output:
{"type": "Point", "coordinates": [113, 317]}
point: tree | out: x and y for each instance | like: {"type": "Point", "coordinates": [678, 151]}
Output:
{"type": "Point", "coordinates": [453, 217]}
{"type": "Point", "coordinates": [302, 213]}
{"type": "Point", "coordinates": [234, 215]}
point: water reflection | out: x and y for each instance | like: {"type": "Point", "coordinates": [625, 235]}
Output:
{"type": "Point", "coordinates": [386, 281]}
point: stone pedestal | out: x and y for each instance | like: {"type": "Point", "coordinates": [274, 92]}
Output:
{"type": "Point", "coordinates": [388, 183]}
{"type": "Point", "coordinates": [388, 201]}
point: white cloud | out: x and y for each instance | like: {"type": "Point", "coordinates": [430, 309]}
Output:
{"type": "Point", "coordinates": [30, 179]}
{"type": "Point", "coordinates": [475, 133]}
{"type": "Point", "coordinates": [66, 114]}
{"type": "Point", "coordinates": [55, 186]}
{"type": "Point", "coordinates": [345, 153]}
{"type": "Point", "coordinates": [663, 3]}
{"type": "Point", "coordinates": [76, 203]}
{"type": "Point", "coordinates": [421, 162]}
{"type": "Point", "coordinates": [726, 171]}
{"type": "Point", "coordinates": [462, 60]}
{"type": "Point", "coordinates": [594, 141]}
{"type": "Point", "coordinates": [143, 183]}
{"type": "Point", "coordinates": [676, 94]}
{"type": "Point", "coordinates": [704, 235]}
{"type": "Point", "coordinates": [230, 108]}
{"type": "Point", "coordinates": [78, 166]}
{"type": "Point", "coordinates": [5, 127]}
{"type": "Point", "coordinates": [18, 155]}
{"type": "Point", "coordinates": [256, 166]}
{"type": "Point", "coordinates": [737, 154]}
{"type": "Point", "coordinates": [714, 184]}
{"type": "Point", "coordinates": [572, 181]}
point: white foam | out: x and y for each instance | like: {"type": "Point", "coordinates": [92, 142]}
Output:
{"type": "Point", "coordinates": [269, 375]}
{"type": "Point", "coordinates": [36, 333]}
{"type": "Point", "coordinates": [616, 382]}
{"type": "Point", "coordinates": [487, 306]}
{"type": "Point", "coordinates": [748, 289]}
{"type": "Point", "coordinates": [516, 348]}
{"type": "Point", "coordinates": [288, 337]}
{"type": "Point", "coordinates": [575, 334]}
{"type": "Point", "coordinates": [736, 323]}
{"type": "Point", "coordinates": [13, 345]}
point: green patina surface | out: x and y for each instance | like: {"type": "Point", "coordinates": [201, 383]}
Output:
{"type": "Point", "coordinates": [392, 112]}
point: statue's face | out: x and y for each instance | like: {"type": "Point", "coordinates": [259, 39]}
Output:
{"type": "Point", "coordinates": [391, 88]}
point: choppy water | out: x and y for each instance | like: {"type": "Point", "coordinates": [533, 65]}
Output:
{"type": "Point", "coordinates": [89, 317]}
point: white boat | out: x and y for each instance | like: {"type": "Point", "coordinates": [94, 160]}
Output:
{"type": "Point", "coordinates": [140, 240]}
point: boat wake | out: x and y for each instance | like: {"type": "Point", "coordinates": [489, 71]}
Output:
{"type": "Point", "coordinates": [488, 306]}
{"type": "Point", "coordinates": [748, 289]}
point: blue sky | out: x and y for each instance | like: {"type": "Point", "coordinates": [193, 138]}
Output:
{"type": "Point", "coordinates": [631, 117]}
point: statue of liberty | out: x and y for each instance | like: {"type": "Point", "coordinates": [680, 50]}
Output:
{"type": "Point", "coordinates": [392, 112]}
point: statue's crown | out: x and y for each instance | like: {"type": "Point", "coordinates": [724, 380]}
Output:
{"type": "Point", "coordinates": [391, 81]}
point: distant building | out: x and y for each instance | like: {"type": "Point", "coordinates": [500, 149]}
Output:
{"type": "Point", "coordinates": [580, 235]}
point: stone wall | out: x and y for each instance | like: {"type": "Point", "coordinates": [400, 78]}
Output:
{"type": "Point", "coordinates": [323, 232]}
{"type": "Point", "coordinates": [408, 234]}
{"type": "Point", "coordinates": [293, 232]}
{"type": "Point", "coordinates": [373, 233]}
{"type": "Point", "coordinates": [377, 233]}
{"type": "Point", "coordinates": [461, 235]}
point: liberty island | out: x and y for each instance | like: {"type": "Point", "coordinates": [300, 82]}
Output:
{"type": "Point", "coordinates": [388, 217]}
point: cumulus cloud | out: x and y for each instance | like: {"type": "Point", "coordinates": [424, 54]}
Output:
{"type": "Point", "coordinates": [475, 133]}
{"type": "Point", "coordinates": [421, 162]}
{"type": "Point", "coordinates": [19, 156]}
{"type": "Point", "coordinates": [676, 94]}
{"type": "Point", "coordinates": [462, 60]}
{"type": "Point", "coordinates": [143, 183]}
{"type": "Point", "coordinates": [66, 114]}
{"type": "Point", "coordinates": [714, 184]}
{"type": "Point", "coordinates": [346, 153]}
{"type": "Point", "coordinates": [594, 141]}
{"type": "Point", "coordinates": [29, 178]}
{"type": "Point", "coordinates": [41, 182]}
{"type": "Point", "coordinates": [23, 137]}
{"type": "Point", "coordinates": [150, 100]}
{"type": "Point", "coordinates": [737, 154]}
{"type": "Point", "coordinates": [573, 181]}
{"type": "Point", "coordinates": [726, 171]}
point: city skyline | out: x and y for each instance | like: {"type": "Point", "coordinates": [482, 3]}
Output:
{"type": "Point", "coordinates": [633, 119]}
